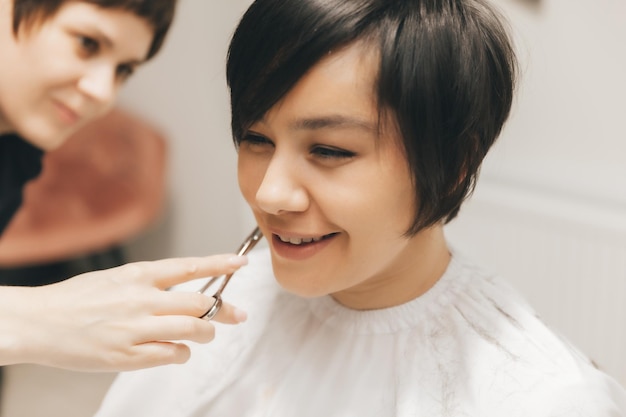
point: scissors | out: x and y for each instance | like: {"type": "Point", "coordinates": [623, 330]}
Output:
{"type": "Point", "coordinates": [245, 247]}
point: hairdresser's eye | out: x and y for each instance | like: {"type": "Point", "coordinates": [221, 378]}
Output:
{"type": "Point", "coordinates": [88, 46]}
{"type": "Point", "coordinates": [327, 152]}
{"type": "Point", "coordinates": [124, 71]}
{"type": "Point", "coordinates": [255, 142]}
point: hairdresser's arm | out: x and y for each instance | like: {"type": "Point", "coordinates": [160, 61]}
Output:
{"type": "Point", "coordinates": [112, 320]}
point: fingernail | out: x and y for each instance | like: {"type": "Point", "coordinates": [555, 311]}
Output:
{"type": "Point", "coordinates": [240, 315]}
{"type": "Point", "coordinates": [238, 260]}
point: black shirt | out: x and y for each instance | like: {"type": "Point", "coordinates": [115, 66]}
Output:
{"type": "Point", "coordinates": [20, 162]}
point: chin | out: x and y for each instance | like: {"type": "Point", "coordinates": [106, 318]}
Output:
{"type": "Point", "coordinates": [49, 139]}
{"type": "Point", "coordinates": [302, 287]}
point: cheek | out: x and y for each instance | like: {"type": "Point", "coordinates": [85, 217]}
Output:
{"type": "Point", "coordinates": [249, 176]}
{"type": "Point", "coordinates": [51, 57]}
{"type": "Point", "coordinates": [383, 210]}
{"type": "Point", "coordinates": [370, 197]}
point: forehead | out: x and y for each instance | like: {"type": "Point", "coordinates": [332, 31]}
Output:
{"type": "Point", "coordinates": [123, 30]}
{"type": "Point", "coordinates": [342, 83]}
{"type": "Point", "coordinates": [35, 14]}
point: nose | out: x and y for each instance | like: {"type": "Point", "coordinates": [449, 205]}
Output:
{"type": "Point", "coordinates": [99, 83]}
{"type": "Point", "coordinates": [282, 189]}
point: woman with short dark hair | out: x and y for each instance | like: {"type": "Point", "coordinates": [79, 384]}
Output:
{"type": "Point", "coordinates": [62, 65]}
{"type": "Point", "coordinates": [360, 127]}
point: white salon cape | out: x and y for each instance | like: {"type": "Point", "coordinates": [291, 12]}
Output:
{"type": "Point", "coordinates": [469, 347]}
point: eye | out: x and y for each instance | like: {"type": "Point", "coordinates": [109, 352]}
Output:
{"type": "Point", "coordinates": [88, 46]}
{"type": "Point", "coordinates": [124, 71]}
{"type": "Point", "coordinates": [328, 152]}
{"type": "Point", "coordinates": [255, 141]}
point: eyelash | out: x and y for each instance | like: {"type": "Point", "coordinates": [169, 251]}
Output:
{"type": "Point", "coordinates": [89, 46]}
{"type": "Point", "coordinates": [322, 152]}
{"type": "Point", "coordinates": [254, 139]}
{"type": "Point", "coordinates": [124, 71]}
{"type": "Point", "coordinates": [325, 152]}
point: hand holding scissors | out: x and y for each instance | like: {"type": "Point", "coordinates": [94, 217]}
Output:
{"type": "Point", "coordinates": [245, 247]}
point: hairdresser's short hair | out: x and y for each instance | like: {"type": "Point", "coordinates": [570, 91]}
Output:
{"type": "Point", "coordinates": [447, 75]}
{"type": "Point", "coordinates": [158, 13]}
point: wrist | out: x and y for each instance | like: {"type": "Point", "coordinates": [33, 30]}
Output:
{"type": "Point", "coordinates": [15, 324]}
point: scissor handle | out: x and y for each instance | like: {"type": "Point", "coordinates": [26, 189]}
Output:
{"type": "Point", "coordinates": [214, 309]}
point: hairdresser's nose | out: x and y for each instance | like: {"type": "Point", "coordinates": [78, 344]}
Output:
{"type": "Point", "coordinates": [99, 83]}
{"type": "Point", "coordinates": [282, 189]}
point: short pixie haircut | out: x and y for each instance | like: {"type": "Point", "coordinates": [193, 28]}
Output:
{"type": "Point", "coordinates": [447, 75]}
{"type": "Point", "coordinates": [158, 13]}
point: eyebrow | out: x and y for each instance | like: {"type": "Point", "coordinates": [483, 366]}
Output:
{"type": "Point", "coordinates": [94, 31]}
{"type": "Point", "coordinates": [334, 121]}
{"type": "Point", "coordinates": [102, 37]}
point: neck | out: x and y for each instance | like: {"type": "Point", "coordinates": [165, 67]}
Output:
{"type": "Point", "coordinates": [410, 274]}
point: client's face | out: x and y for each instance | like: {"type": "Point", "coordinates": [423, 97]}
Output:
{"type": "Point", "coordinates": [332, 194]}
{"type": "Point", "coordinates": [59, 74]}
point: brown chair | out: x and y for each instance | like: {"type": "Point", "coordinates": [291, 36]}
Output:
{"type": "Point", "coordinates": [104, 186]}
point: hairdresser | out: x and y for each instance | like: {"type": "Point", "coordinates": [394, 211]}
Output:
{"type": "Point", "coordinates": [62, 63]}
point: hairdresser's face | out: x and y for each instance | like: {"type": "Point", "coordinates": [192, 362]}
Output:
{"type": "Point", "coordinates": [58, 74]}
{"type": "Point", "coordinates": [332, 194]}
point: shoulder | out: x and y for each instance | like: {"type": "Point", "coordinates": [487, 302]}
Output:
{"type": "Point", "coordinates": [518, 362]}
{"type": "Point", "coordinates": [592, 394]}
{"type": "Point", "coordinates": [19, 151]}
{"type": "Point", "coordinates": [20, 162]}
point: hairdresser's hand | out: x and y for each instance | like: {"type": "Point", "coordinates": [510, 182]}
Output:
{"type": "Point", "coordinates": [116, 319]}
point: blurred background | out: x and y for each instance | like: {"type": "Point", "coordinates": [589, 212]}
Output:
{"type": "Point", "coordinates": [549, 212]}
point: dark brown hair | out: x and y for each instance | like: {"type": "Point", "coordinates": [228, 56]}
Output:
{"type": "Point", "coordinates": [158, 13]}
{"type": "Point", "coordinates": [447, 74]}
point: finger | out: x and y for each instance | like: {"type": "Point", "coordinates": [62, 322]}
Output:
{"type": "Point", "coordinates": [147, 355]}
{"type": "Point", "coordinates": [197, 305]}
{"type": "Point", "coordinates": [229, 314]}
{"type": "Point", "coordinates": [166, 273]}
{"type": "Point", "coordinates": [174, 328]}
{"type": "Point", "coordinates": [181, 303]}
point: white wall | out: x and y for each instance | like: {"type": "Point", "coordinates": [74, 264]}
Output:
{"type": "Point", "coordinates": [566, 132]}
{"type": "Point", "coordinates": [552, 196]}
{"type": "Point", "coordinates": [183, 92]}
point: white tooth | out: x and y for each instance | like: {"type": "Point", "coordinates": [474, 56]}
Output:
{"type": "Point", "coordinates": [299, 240]}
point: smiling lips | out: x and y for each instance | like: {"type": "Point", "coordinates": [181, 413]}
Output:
{"type": "Point", "coordinates": [300, 248]}
{"type": "Point", "coordinates": [301, 240]}
{"type": "Point", "coordinates": [66, 114]}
